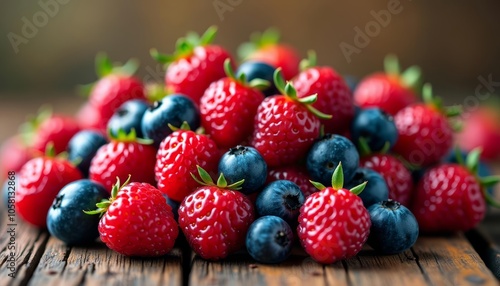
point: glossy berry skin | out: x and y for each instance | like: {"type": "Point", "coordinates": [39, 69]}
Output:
{"type": "Point", "coordinates": [57, 129]}
{"type": "Point", "coordinates": [278, 56]}
{"type": "Point", "coordinates": [376, 188]}
{"type": "Point", "coordinates": [334, 96]}
{"type": "Point", "coordinates": [127, 117]}
{"type": "Point", "coordinates": [139, 222]}
{"type": "Point", "coordinates": [483, 169]}
{"type": "Point", "coordinates": [397, 177]}
{"type": "Point", "coordinates": [447, 199]}
{"type": "Point", "coordinates": [323, 221]}
{"type": "Point", "coordinates": [258, 70]}
{"type": "Point", "coordinates": [385, 92]}
{"type": "Point", "coordinates": [215, 221]}
{"type": "Point", "coordinates": [173, 109]}
{"type": "Point", "coordinates": [226, 107]}
{"type": "Point", "coordinates": [284, 130]}
{"type": "Point", "coordinates": [244, 162]}
{"type": "Point", "coordinates": [296, 174]}
{"type": "Point", "coordinates": [13, 155]}
{"type": "Point", "coordinates": [376, 127]}
{"type": "Point", "coordinates": [40, 180]}
{"type": "Point", "coordinates": [280, 198]}
{"type": "Point", "coordinates": [394, 227]}
{"type": "Point", "coordinates": [269, 240]}
{"type": "Point", "coordinates": [192, 74]}
{"type": "Point", "coordinates": [113, 90]}
{"type": "Point", "coordinates": [325, 155]}
{"type": "Point", "coordinates": [66, 219]}
{"type": "Point", "coordinates": [121, 159]}
{"type": "Point", "coordinates": [90, 118]}
{"type": "Point", "coordinates": [177, 158]}
{"type": "Point", "coordinates": [82, 148]}
{"type": "Point", "coordinates": [424, 135]}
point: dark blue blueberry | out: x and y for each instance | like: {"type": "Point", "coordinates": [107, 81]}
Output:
{"type": "Point", "coordinates": [376, 127]}
{"type": "Point", "coordinates": [483, 170]}
{"type": "Point", "coordinates": [375, 190]}
{"type": "Point", "coordinates": [255, 69]}
{"type": "Point", "coordinates": [66, 219]}
{"type": "Point", "coordinates": [325, 155]}
{"type": "Point", "coordinates": [269, 240]}
{"type": "Point", "coordinates": [280, 198]}
{"type": "Point", "coordinates": [174, 205]}
{"type": "Point", "coordinates": [82, 148]}
{"type": "Point", "coordinates": [173, 109]}
{"type": "Point", "coordinates": [127, 117]}
{"type": "Point", "coordinates": [394, 228]}
{"type": "Point", "coordinates": [242, 162]}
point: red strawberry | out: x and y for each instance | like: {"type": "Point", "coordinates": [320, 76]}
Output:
{"type": "Point", "coordinates": [481, 129]}
{"type": "Point", "coordinates": [178, 155]}
{"type": "Point", "coordinates": [90, 118]}
{"type": "Point", "coordinates": [13, 155]}
{"type": "Point", "coordinates": [333, 223]}
{"type": "Point", "coordinates": [390, 91]}
{"type": "Point", "coordinates": [285, 126]}
{"type": "Point", "coordinates": [425, 136]}
{"type": "Point", "coordinates": [115, 86]}
{"type": "Point", "coordinates": [396, 175]}
{"type": "Point", "coordinates": [266, 48]}
{"type": "Point", "coordinates": [137, 221]}
{"type": "Point", "coordinates": [194, 66]}
{"type": "Point", "coordinates": [40, 180]}
{"type": "Point", "coordinates": [296, 174]}
{"type": "Point", "coordinates": [334, 96]}
{"type": "Point", "coordinates": [214, 218]}
{"type": "Point", "coordinates": [226, 106]}
{"type": "Point", "coordinates": [123, 156]}
{"type": "Point", "coordinates": [451, 197]}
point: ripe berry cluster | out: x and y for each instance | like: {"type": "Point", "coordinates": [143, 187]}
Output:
{"type": "Point", "coordinates": [297, 154]}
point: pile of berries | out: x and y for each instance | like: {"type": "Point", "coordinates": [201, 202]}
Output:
{"type": "Point", "coordinates": [258, 154]}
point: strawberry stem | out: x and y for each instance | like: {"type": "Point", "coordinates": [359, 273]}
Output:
{"type": "Point", "coordinates": [309, 62]}
{"type": "Point", "coordinates": [338, 177]}
{"type": "Point", "coordinates": [359, 188]}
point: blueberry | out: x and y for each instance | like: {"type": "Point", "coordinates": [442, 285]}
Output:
{"type": "Point", "coordinates": [174, 205]}
{"type": "Point", "coordinates": [269, 240]}
{"type": "Point", "coordinates": [394, 228]}
{"type": "Point", "coordinates": [280, 198]}
{"type": "Point", "coordinates": [325, 155]}
{"type": "Point", "coordinates": [127, 117]}
{"type": "Point", "coordinates": [242, 162]}
{"type": "Point", "coordinates": [376, 189]}
{"type": "Point", "coordinates": [255, 69]}
{"type": "Point", "coordinates": [66, 219]}
{"type": "Point", "coordinates": [376, 127]}
{"type": "Point", "coordinates": [173, 109]}
{"type": "Point", "coordinates": [82, 148]}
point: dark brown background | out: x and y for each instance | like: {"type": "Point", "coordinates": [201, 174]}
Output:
{"type": "Point", "coordinates": [453, 41]}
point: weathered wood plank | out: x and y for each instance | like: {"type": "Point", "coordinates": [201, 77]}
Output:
{"type": "Point", "coordinates": [451, 260]}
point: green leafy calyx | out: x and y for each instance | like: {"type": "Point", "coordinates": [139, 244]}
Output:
{"type": "Point", "coordinates": [222, 183]}
{"type": "Point", "coordinates": [103, 205]}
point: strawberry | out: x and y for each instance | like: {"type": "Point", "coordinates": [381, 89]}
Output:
{"type": "Point", "coordinates": [40, 179]}
{"type": "Point", "coordinates": [390, 91]}
{"type": "Point", "coordinates": [90, 118]}
{"type": "Point", "coordinates": [195, 64]}
{"type": "Point", "coordinates": [285, 126]}
{"type": "Point", "coordinates": [333, 223]}
{"type": "Point", "coordinates": [14, 153]}
{"type": "Point", "coordinates": [334, 96]}
{"type": "Point", "coordinates": [115, 86]}
{"type": "Point", "coordinates": [425, 136]}
{"type": "Point", "coordinates": [451, 197]}
{"type": "Point", "coordinates": [178, 155]}
{"type": "Point", "coordinates": [266, 48]}
{"type": "Point", "coordinates": [124, 155]}
{"type": "Point", "coordinates": [396, 175]}
{"type": "Point", "coordinates": [215, 218]}
{"type": "Point", "coordinates": [136, 220]}
{"type": "Point", "coordinates": [481, 129]}
{"type": "Point", "coordinates": [226, 106]}
{"type": "Point", "coordinates": [297, 174]}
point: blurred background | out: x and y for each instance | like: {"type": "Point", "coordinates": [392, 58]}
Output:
{"type": "Point", "coordinates": [49, 46]}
